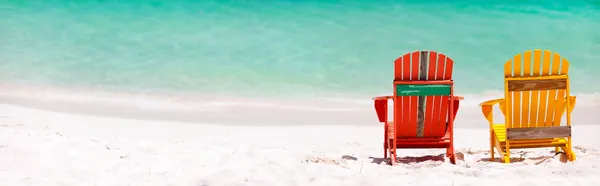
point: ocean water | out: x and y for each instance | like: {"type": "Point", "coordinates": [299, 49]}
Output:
{"type": "Point", "coordinates": [279, 48]}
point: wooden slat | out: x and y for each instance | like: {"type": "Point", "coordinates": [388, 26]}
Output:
{"type": "Point", "coordinates": [544, 92]}
{"type": "Point", "coordinates": [448, 68]}
{"type": "Point", "coordinates": [564, 69]}
{"type": "Point", "coordinates": [431, 104]}
{"type": "Point", "coordinates": [517, 64]}
{"type": "Point", "coordinates": [546, 65]}
{"type": "Point", "coordinates": [398, 68]}
{"type": "Point", "coordinates": [516, 95]}
{"type": "Point", "coordinates": [508, 68]}
{"type": "Point", "coordinates": [537, 62]}
{"type": "Point", "coordinates": [544, 84]}
{"type": "Point", "coordinates": [533, 114]}
{"type": "Point", "coordinates": [423, 64]}
{"type": "Point", "coordinates": [398, 115]}
{"type": "Point", "coordinates": [509, 97]}
{"type": "Point", "coordinates": [437, 110]}
{"type": "Point", "coordinates": [555, 64]}
{"type": "Point", "coordinates": [445, 100]}
{"type": "Point", "coordinates": [526, 99]}
{"type": "Point", "coordinates": [559, 106]}
{"type": "Point", "coordinates": [403, 127]}
{"type": "Point", "coordinates": [561, 94]}
{"type": "Point", "coordinates": [405, 67]}
{"type": "Point", "coordinates": [422, 90]}
{"type": "Point", "coordinates": [526, 63]}
{"type": "Point", "coordinates": [443, 115]}
{"type": "Point", "coordinates": [552, 93]}
{"type": "Point", "coordinates": [538, 132]}
{"type": "Point", "coordinates": [414, 100]}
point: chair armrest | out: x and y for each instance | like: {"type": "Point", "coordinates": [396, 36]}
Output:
{"type": "Point", "coordinates": [572, 101]}
{"type": "Point", "coordinates": [491, 102]}
{"type": "Point", "coordinates": [381, 108]}
{"type": "Point", "coordinates": [486, 109]}
{"type": "Point", "coordinates": [383, 97]}
{"type": "Point", "coordinates": [458, 98]}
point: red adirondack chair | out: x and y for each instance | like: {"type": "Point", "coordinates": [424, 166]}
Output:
{"type": "Point", "coordinates": [424, 105]}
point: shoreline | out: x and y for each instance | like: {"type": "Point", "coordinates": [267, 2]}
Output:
{"type": "Point", "coordinates": [268, 111]}
{"type": "Point", "coordinates": [240, 115]}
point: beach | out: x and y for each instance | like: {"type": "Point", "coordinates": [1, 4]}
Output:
{"type": "Point", "coordinates": [227, 93]}
{"type": "Point", "coordinates": [48, 148]}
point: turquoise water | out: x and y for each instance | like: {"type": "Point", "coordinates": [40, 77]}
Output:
{"type": "Point", "coordinates": [284, 48]}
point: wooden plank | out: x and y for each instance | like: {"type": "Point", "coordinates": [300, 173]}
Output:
{"type": "Point", "coordinates": [445, 118]}
{"type": "Point", "coordinates": [561, 95]}
{"type": "Point", "coordinates": [559, 107]}
{"type": "Point", "coordinates": [509, 97]}
{"type": "Point", "coordinates": [555, 64]}
{"type": "Point", "coordinates": [517, 64]}
{"type": "Point", "coordinates": [438, 99]}
{"type": "Point", "coordinates": [398, 69]}
{"type": "Point", "coordinates": [398, 115]}
{"type": "Point", "coordinates": [537, 54]}
{"type": "Point", "coordinates": [508, 68]}
{"type": "Point", "coordinates": [538, 132]}
{"type": "Point", "coordinates": [537, 62]}
{"type": "Point", "coordinates": [543, 84]}
{"type": "Point", "coordinates": [544, 93]}
{"type": "Point", "coordinates": [525, 99]}
{"type": "Point", "coordinates": [527, 63]}
{"type": "Point", "coordinates": [448, 68]}
{"type": "Point", "coordinates": [552, 93]}
{"type": "Point", "coordinates": [414, 100]}
{"type": "Point", "coordinates": [421, 107]}
{"type": "Point", "coordinates": [430, 101]}
{"type": "Point", "coordinates": [517, 95]}
{"type": "Point", "coordinates": [564, 69]}
{"type": "Point", "coordinates": [445, 102]}
{"type": "Point", "coordinates": [422, 90]}
{"type": "Point", "coordinates": [402, 126]}
{"type": "Point", "coordinates": [546, 63]}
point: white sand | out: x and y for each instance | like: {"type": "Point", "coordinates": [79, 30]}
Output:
{"type": "Point", "coordinates": [46, 148]}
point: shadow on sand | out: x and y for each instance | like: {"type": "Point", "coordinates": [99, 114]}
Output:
{"type": "Point", "coordinates": [410, 159]}
{"type": "Point", "coordinates": [460, 157]}
{"type": "Point", "coordinates": [534, 160]}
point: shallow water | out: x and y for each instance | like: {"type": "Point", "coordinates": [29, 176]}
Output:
{"type": "Point", "coordinates": [241, 50]}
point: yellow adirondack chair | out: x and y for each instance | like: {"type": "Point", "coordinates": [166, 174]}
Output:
{"type": "Point", "coordinates": [536, 96]}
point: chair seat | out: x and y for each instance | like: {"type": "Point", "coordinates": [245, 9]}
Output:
{"type": "Point", "coordinates": [500, 131]}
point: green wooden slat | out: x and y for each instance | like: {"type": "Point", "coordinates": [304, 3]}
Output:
{"type": "Point", "coordinates": [422, 90]}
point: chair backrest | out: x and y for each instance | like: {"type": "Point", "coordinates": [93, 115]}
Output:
{"type": "Point", "coordinates": [422, 91]}
{"type": "Point", "coordinates": [536, 87]}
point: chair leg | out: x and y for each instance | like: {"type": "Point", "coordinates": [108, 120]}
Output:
{"type": "Point", "coordinates": [393, 157]}
{"type": "Point", "coordinates": [571, 156]}
{"type": "Point", "coordinates": [492, 144]}
{"type": "Point", "coordinates": [507, 154]}
{"type": "Point", "coordinates": [569, 152]}
{"type": "Point", "coordinates": [385, 149]}
{"type": "Point", "coordinates": [385, 140]}
{"type": "Point", "coordinates": [450, 154]}
{"type": "Point", "coordinates": [392, 149]}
